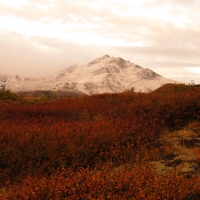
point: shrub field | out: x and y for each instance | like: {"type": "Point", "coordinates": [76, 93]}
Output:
{"type": "Point", "coordinates": [95, 147]}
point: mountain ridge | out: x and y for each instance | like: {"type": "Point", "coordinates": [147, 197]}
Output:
{"type": "Point", "coordinates": [102, 75]}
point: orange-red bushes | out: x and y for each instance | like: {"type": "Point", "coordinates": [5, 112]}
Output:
{"type": "Point", "coordinates": [38, 139]}
{"type": "Point", "coordinates": [33, 148]}
{"type": "Point", "coordinates": [138, 182]}
{"type": "Point", "coordinates": [37, 149]}
{"type": "Point", "coordinates": [175, 109]}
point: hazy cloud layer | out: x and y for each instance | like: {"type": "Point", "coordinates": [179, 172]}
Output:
{"type": "Point", "coordinates": [38, 38]}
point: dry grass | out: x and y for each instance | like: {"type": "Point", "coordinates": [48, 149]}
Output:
{"type": "Point", "coordinates": [180, 149]}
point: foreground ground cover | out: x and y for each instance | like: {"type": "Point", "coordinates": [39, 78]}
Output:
{"type": "Point", "coordinates": [108, 146]}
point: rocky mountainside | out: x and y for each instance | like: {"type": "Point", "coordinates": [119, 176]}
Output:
{"type": "Point", "coordinates": [104, 74]}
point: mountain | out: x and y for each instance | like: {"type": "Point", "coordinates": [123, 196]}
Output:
{"type": "Point", "coordinates": [104, 74]}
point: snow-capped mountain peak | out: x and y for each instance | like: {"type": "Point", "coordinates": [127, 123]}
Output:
{"type": "Point", "coordinates": [104, 74]}
{"type": "Point", "coordinates": [99, 59]}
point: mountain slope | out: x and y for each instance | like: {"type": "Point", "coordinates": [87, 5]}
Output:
{"type": "Point", "coordinates": [104, 74]}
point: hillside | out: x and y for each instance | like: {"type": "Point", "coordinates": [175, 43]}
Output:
{"type": "Point", "coordinates": [102, 75]}
{"type": "Point", "coordinates": [106, 146]}
{"type": "Point", "coordinates": [170, 88]}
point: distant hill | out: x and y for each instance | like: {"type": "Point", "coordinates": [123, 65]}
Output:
{"type": "Point", "coordinates": [173, 88]}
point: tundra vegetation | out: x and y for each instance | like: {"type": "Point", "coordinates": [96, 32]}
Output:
{"type": "Point", "coordinates": [107, 146]}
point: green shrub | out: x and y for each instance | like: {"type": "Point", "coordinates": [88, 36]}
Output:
{"type": "Point", "coordinates": [6, 94]}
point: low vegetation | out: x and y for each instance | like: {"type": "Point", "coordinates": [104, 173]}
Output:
{"type": "Point", "coordinates": [107, 146]}
{"type": "Point", "coordinates": [7, 95]}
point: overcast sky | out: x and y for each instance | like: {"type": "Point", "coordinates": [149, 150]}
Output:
{"type": "Point", "coordinates": [41, 37]}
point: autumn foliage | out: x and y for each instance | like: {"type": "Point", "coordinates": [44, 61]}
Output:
{"type": "Point", "coordinates": [95, 147]}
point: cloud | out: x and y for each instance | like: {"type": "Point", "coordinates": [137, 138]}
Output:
{"type": "Point", "coordinates": [44, 36]}
{"type": "Point", "coordinates": [40, 56]}
{"type": "Point", "coordinates": [29, 11]}
{"type": "Point", "coordinates": [178, 3]}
